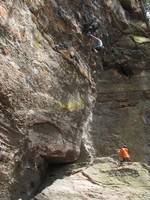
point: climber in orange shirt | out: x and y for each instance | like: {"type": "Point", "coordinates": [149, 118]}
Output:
{"type": "Point", "coordinates": [123, 154]}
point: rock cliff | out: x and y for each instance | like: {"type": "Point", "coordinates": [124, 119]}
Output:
{"type": "Point", "coordinates": [59, 99]}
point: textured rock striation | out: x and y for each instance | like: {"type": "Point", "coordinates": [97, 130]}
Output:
{"type": "Point", "coordinates": [53, 86]}
{"type": "Point", "coordinates": [45, 97]}
{"type": "Point", "coordinates": [121, 113]}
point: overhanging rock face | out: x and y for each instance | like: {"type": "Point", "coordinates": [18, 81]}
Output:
{"type": "Point", "coordinates": [45, 97]}
{"type": "Point", "coordinates": [51, 80]}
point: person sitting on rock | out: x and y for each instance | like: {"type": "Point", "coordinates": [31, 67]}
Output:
{"type": "Point", "coordinates": [98, 45]}
{"type": "Point", "coordinates": [123, 154]}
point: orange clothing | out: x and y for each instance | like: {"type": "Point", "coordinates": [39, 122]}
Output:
{"type": "Point", "coordinates": [123, 153]}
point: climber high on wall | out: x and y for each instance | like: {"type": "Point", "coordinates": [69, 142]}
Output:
{"type": "Point", "coordinates": [98, 44]}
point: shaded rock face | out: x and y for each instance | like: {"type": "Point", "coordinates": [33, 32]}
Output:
{"type": "Point", "coordinates": [48, 85]}
{"type": "Point", "coordinates": [122, 106]}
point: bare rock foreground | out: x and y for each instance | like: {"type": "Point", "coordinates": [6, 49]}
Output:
{"type": "Point", "coordinates": [102, 181]}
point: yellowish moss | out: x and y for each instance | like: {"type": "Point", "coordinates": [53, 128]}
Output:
{"type": "Point", "coordinates": [72, 104]}
{"type": "Point", "coordinates": [139, 39]}
{"type": "Point", "coordinates": [37, 40]}
{"type": "Point", "coordinates": [28, 1]}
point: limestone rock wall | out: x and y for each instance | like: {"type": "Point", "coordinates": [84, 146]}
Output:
{"type": "Point", "coordinates": [50, 80]}
{"type": "Point", "coordinates": [122, 105]}
{"type": "Point", "coordinates": [45, 96]}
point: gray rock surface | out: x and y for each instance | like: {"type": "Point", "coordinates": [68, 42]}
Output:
{"type": "Point", "coordinates": [104, 181]}
{"type": "Point", "coordinates": [60, 100]}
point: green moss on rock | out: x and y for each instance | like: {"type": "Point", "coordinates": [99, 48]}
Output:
{"type": "Point", "coordinates": [140, 39]}
{"type": "Point", "coordinates": [72, 104]}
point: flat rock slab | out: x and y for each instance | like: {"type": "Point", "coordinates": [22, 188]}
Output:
{"type": "Point", "coordinates": [102, 181]}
